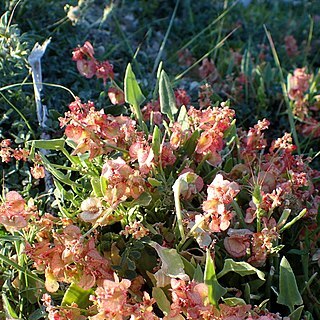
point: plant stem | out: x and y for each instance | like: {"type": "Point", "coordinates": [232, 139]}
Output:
{"type": "Point", "coordinates": [176, 191]}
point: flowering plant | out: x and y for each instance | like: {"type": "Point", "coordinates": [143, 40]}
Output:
{"type": "Point", "coordinates": [165, 211]}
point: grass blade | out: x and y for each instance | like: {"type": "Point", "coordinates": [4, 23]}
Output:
{"type": "Point", "coordinates": [159, 55]}
{"type": "Point", "coordinates": [222, 15]}
{"type": "Point", "coordinates": [284, 90]}
{"type": "Point", "coordinates": [217, 46]}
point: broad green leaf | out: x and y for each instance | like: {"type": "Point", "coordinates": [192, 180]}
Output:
{"type": "Point", "coordinates": [232, 302]}
{"type": "Point", "coordinates": [155, 182]}
{"type": "Point", "coordinates": [289, 294]}
{"type": "Point", "coordinates": [10, 313]}
{"type": "Point", "coordinates": [56, 173]}
{"type": "Point", "coordinates": [198, 274]}
{"type": "Point", "coordinates": [96, 187]}
{"type": "Point", "coordinates": [161, 300]}
{"type": "Point", "coordinates": [53, 144]}
{"type": "Point", "coordinates": [183, 118]}
{"type": "Point", "coordinates": [144, 200]}
{"type": "Point", "coordinates": [103, 184]}
{"type": "Point", "coordinates": [188, 267]}
{"type": "Point", "coordinates": [77, 295]}
{"type": "Point", "coordinates": [215, 290]}
{"type": "Point", "coordinates": [242, 268]}
{"type": "Point", "coordinates": [156, 142]}
{"type": "Point", "coordinates": [172, 264]}
{"type": "Point", "coordinates": [38, 314]}
{"type": "Point", "coordinates": [167, 97]}
{"type": "Point", "coordinates": [296, 314]}
{"type": "Point", "coordinates": [191, 143]}
{"type": "Point", "coordinates": [132, 91]}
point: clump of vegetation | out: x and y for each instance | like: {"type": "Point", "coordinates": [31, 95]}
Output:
{"type": "Point", "coordinates": [142, 195]}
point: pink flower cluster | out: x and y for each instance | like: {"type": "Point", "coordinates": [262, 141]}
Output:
{"type": "Point", "coordinates": [291, 46]}
{"type": "Point", "coordinates": [114, 302]}
{"type": "Point", "coordinates": [95, 131]}
{"type": "Point", "coordinates": [14, 213]}
{"type": "Point", "coordinates": [88, 66]}
{"type": "Point", "coordinates": [123, 181]}
{"type": "Point", "coordinates": [298, 85]}
{"type": "Point", "coordinates": [221, 192]}
{"type": "Point", "coordinates": [212, 123]}
{"type": "Point", "coordinates": [7, 153]}
{"type": "Point", "coordinates": [65, 256]}
{"type": "Point", "coordinates": [256, 245]}
{"type": "Point", "coordinates": [190, 299]}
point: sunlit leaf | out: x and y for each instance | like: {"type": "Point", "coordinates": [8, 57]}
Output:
{"type": "Point", "coordinates": [161, 299]}
{"type": "Point", "coordinates": [242, 268]}
{"type": "Point", "coordinates": [215, 290]}
{"type": "Point", "coordinates": [294, 220]}
{"type": "Point", "coordinates": [296, 314]}
{"type": "Point", "coordinates": [51, 282]}
{"type": "Point", "coordinates": [198, 274]}
{"type": "Point", "coordinates": [10, 313]}
{"type": "Point", "coordinates": [77, 295]}
{"type": "Point", "coordinates": [183, 118]}
{"type": "Point", "coordinates": [172, 264]}
{"type": "Point", "coordinates": [289, 294]}
{"type": "Point", "coordinates": [234, 301]}
{"type": "Point", "coordinates": [132, 91]}
{"type": "Point", "coordinates": [167, 97]}
{"type": "Point", "coordinates": [53, 144]}
{"type": "Point", "coordinates": [156, 141]}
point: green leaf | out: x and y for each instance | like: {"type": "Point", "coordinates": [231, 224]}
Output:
{"type": "Point", "coordinates": [215, 290]}
{"type": "Point", "coordinates": [284, 217]}
{"type": "Point", "coordinates": [167, 97]}
{"type": "Point", "coordinates": [10, 313]}
{"type": "Point", "coordinates": [161, 299]}
{"type": "Point", "coordinates": [53, 144]}
{"type": "Point", "coordinates": [38, 314]}
{"type": "Point", "coordinates": [188, 267]}
{"type": "Point", "coordinates": [256, 195]}
{"type": "Point", "coordinates": [172, 264]}
{"type": "Point", "coordinates": [191, 143]}
{"type": "Point", "coordinates": [155, 182]}
{"type": "Point", "coordinates": [242, 268]}
{"type": "Point", "coordinates": [96, 187]}
{"type": "Point", "coordinates": [77, 295]}
{"type": "Point", "coordinates": [294, 220]}
{"type": "Point", "coordinates": [183, 118]}
{"type": "Point", "coordinates": [156, 142]}
{"type": "Point", "coordinates": [56, 173]}
{"type": "Point", "coordinates": [232, 302]}
{"type": "Point", "coordinates": [144, 200]}
{"type": "Point", "coordinates": [132, 91]}
{"type": "Point", "coordinates": [289, 294]}
{"type": "Point", "coordinates": [296, 314]}
{"type": "Point", "coordinates": [198, 274]}
{"type": "Point", "coordinates": [103, 184]}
